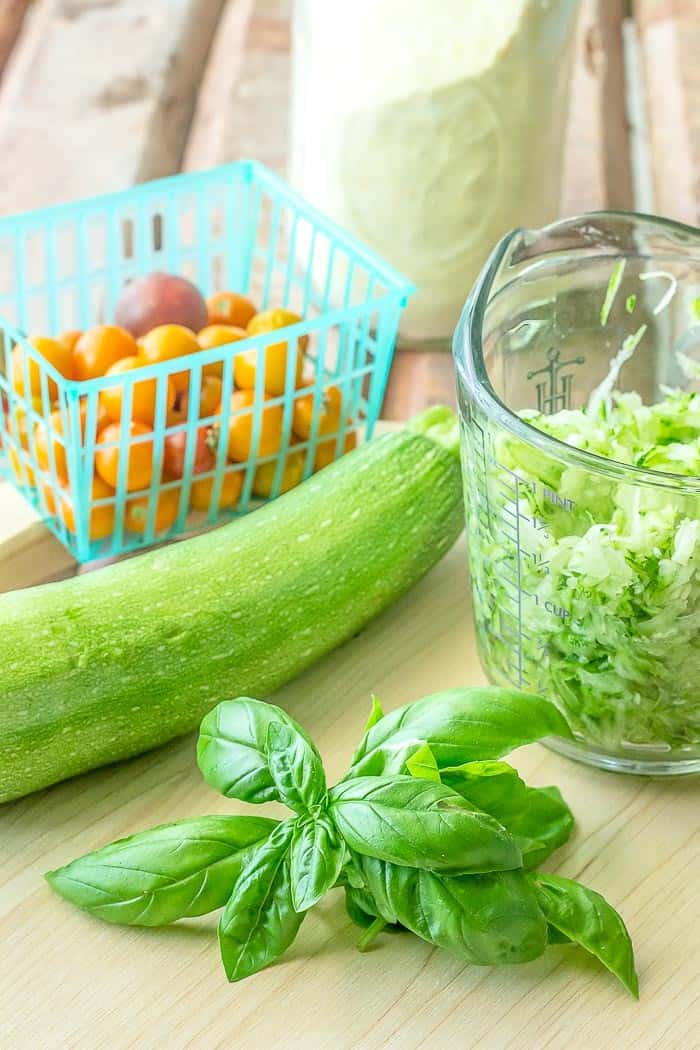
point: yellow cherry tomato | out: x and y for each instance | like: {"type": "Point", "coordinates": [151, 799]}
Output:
{"type": "Point", "coordinates": [139, 471]}
{"type": "Point", "coordinates": [99, 348]}
{"type": "Point", "coordinates": [246, 364]}
{"type": "Point", "coordinates": [202, 492]}
{"type": "Point", "coordinates": [292, 475]}
{"type": "Point", "coordinates": [230, 308]}
{"type": "Point", "coordinates": [101, 516]}
{"type": "Point", "coordinates": [329, 413]}
{"type": "Point", "coordinates": [52, 351]}
{"type": "Point", "coordinates": [325, 450]}
{"type": "Point", "coordinates": [218, 335]}
{"type": "Point", "coordinates": [143, 396]}
{"type": "Point", "coordinates": [167, 342]}
{"type": "Point", "coordinates": [240, 434]}
{"type": "Point", "coordinates": [167, 510]}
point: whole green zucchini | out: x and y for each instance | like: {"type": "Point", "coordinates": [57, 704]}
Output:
{"type": "Point", "coordinates": [116, 662]}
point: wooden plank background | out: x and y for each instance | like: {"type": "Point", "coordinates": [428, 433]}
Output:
{"type": "Point", "coordinates": [95, 95]}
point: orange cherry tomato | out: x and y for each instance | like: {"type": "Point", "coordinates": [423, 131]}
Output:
{"type": "Point", "coordinates": [202, 491]}
{"type": "Point", "coordinates": [21, 468]}
{"type": "Point", "coordinates": [102, 418]}
{"type": "Point", "coordinates": [70, 338]}
{"type": "Point", "coordinates": [139, 471]}
{"type": "Point", "coordinates": [325, 451]}
{"type": "Point", "coordinates": [167, 510]}
{"type": "Point", "coordinates": [209, 398]}
{"type": "Point", "coordinates": [245, 365]}
{"type": "Point", "coordinates": [99, 348]}
{"type": "Point", "coordinates": [230, 308]}
{"type": "Point", "coordinates": [218, 335]}
{"type": "Point", "coordinates": [143, 397]}
{"type": "Point", "coordinates": [240, 433]}
{"type": "Point", "coordinates": [292, 474]}
{"type": "Point", "coordinates": [101, 516]}
{"type": "Point", "coordinates": [328, 417]}
{"type": "Point", "coordinates": [52, 351]}
{"type": "Point", "coordinates": [46, 441]}
{"type": "Point", "coordinates": [166, 342]}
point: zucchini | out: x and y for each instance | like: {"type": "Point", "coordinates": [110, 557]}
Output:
{"type": "Point", "coordinates": [115, 662]}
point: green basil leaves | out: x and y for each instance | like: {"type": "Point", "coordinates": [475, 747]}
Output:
{"type": "Point", "coordinates": [420, 824]}
{"type": "Point", "coordinates": [582, 915]}
{"type": "Point", "coordinates": [429, 831]}
{"type": "Point", "coordinates": [460, 725]}
{"type": "Point", "coordinates": [170, 872]}
{"type": "Point", "coordinates": [259, 921]}
{"type": "Point", "coordinates": [232, 748]}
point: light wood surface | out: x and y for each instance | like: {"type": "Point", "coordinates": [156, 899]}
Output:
{"type": "Point", "coordinates": [69, 981]}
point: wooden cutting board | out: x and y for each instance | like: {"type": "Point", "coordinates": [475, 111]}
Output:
{"type": "Point", "coordinates": [69, 981]}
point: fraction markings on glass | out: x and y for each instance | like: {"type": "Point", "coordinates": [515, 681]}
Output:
{"type": "Point", "coordinates": [501, 520]}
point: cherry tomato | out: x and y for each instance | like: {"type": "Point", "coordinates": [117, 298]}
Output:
{"type": "Point", "coordinates": [240, 433]}
{"type": "Point", "coordinates": [202, 491]}
{"type": "Point", "coordinates": [52, 351]}
{"type": "Point", "coordinates": [101, 516]}
{"type": "Point", "coordinates": [218, 335]}
{"type": "Point", "coordinates": [325, 451]}
{"type": "Point", "coordinates": [99, 348]}
{"type": "Point", "coordinates": [70, 338]}
{"type": "Point", "coordinates": [143, 397]}
{"type": "Point", "coordinates": [21, 468]}
{"type": "Point", "coordinates": [245, 365]}
{"type": "Point", "coordinates": [175, 453]}
{"type": "Point", "coordinates": [209, 398]}
{"type": "Point", "coordinates": [292, 474]}
{"type": "Point", "coordinates": [46, 440]}
{"type": "Point", "coordinates": [166, 342]}
{"type": "Point", "coordinates": [139, 470]}
{"type": "Point", "coordinates": [230, 308]}
{"type": "Point", "coordinates": [167, 510]}
{"type": "Point", "coordinates": [328, 416]}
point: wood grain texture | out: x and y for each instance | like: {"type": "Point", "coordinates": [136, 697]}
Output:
{"type": "Point", "coordinates": [597, 170]}
{"type": "Point", "coordinates": [70, 981]}
{"type": "Point", "coordinates": [98, 95]}
{"type": "Point", "coordinates": [418, 378]}
{"type": "Point", "coordinates": [243, 105]}
{"type": "Point", "coordinates": [12, 14]}
{"type": "Point", "coordinates": [669, 34]}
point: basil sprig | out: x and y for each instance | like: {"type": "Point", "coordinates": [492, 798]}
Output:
{"type": "Point", "coordinates": [429, 831]}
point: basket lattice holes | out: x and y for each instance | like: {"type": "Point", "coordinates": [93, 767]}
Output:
{"type": "Point", "coordinates": [171, 444]}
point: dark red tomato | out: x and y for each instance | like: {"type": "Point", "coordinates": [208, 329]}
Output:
{"type": "Point", "coordinates": [175, 453]}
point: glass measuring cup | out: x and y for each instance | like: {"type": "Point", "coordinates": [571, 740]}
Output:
{"type": "Point", "coordinates": [586, 570]}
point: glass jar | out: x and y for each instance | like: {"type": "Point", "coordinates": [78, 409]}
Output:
{"type": "Point", "coordinates": [429, 130]}
{"type": "Point", "coordinates": [586, 568]}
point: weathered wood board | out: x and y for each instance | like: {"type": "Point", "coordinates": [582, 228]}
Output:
{"type": "Point", "coordinates": [669, 36]}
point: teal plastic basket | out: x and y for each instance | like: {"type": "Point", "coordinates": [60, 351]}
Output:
{"type": "Point", "coordinates": [237, 227]}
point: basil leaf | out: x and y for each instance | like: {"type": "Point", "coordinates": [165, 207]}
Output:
{"type": "Point", "coordinates": [484, 919]}
{"type": "Point", "coordinates": [586, 918]}
{"type": "Point", "coordinates": [360, 906]}
{"type": "Point", "coordinates": [538, 818]}
{"type": "Point", "coordinates": [171, 872]}
{"type": "Point", "coordinates": [376, 714]}
{"type": "Point", "coordinates": [259, 921]}
{"type": "Point", "coordinates": [421, 824]}
{"type": "Point", "coordinates": [459, 725]}
{"type": "Point", "coordinates": [422, 763]}
{"type": "Point", "coordinates": [545, 824]}
{"type": "Point", "coordinates": [296, 769]}
{"type": "Point", "coordinates": [316, 861]}
{"type": "Point", "coordinates": [232, 748]}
